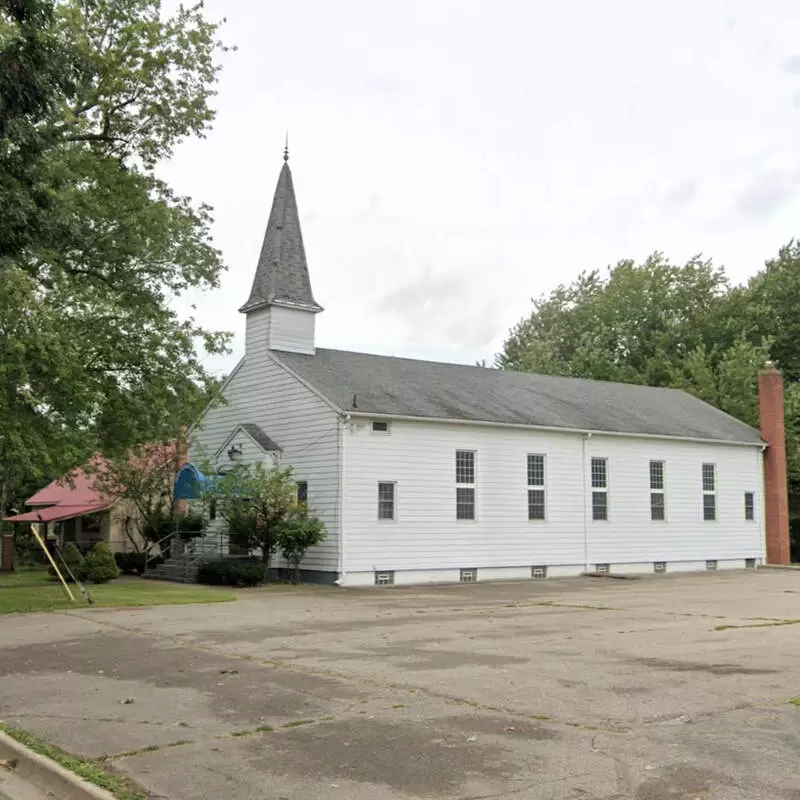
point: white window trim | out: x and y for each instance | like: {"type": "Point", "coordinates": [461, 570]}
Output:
{"type": "Point", "coordinates": [473, 485]}
{"type": "Point", "coordinates": [543, 487]}
{"type": "Point", "coordinates": [387, 432]}
{"type": "Point", "coordinates": [706, 491]}
{"type": "Point", "coordinates": [662, 491]}
{"type": "Point", "coordinates": [755, 509]}
{"type": "Point", "coordinates": [383, 520]}
{"type": "Point", "coordinates": [593, 489]}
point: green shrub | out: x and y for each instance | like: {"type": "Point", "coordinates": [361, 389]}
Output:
{"type": "Point", "coordinates": [134, 563]}
{"type": "Point", "coordinates": [71, 556]}
{"type": "Point", "coordinates": [100, 564]}
{"type": "Point", "coordinates": [299, 531]}
{"type": "Point", "coordinates": [232, 572]}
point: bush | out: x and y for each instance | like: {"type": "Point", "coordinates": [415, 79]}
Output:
{"type": "Point", "coordinates": [100, 564]}
{"type": "Point", "coordinates": [71, 556]}
{"type": "Point", "coordinates": [134, 563]}
{"type": "Point", "coordinates": [232, 572]}
{"type": "Point", "coordinates": [296, 534]}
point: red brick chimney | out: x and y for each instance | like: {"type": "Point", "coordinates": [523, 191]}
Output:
{"type": "Point", "coordinates": [776, 495]}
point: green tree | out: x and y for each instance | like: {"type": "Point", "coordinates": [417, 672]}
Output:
{"type": "Point", "coordinates": [299, 531]}
{"type": "Point", "coordinates": [100, 564]}
{"type": "Point", "coordinates": [254, 501]}
{"type": "Point", "coordinates": [94, 246]}
{"type": "Point", "coordinates": [678, 326]}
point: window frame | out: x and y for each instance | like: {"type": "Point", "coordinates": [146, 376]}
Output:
{"type": "Point", "coordinates": [385, 422]}
{"type": "Point", "coordinates": [751, 508]}
{"type": "Point", "coordinates": [466, 485]}
{"type": "Point", "coordinates": [297, 485]}
{"type": "Point", "coordinates": [656, 491]}
{"type": "Point", "coordinates": [393, 518]}
{"type": "Point", "coordinates": [536, 487]}
{"type": "Point", "coordinates": [712, 493]}
{"type": "Point", "coordinates": [597, 490]}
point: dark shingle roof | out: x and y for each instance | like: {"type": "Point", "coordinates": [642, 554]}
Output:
{"type": "Point", "coordinates": [261, 438]}
{"type": "Point", "coordinates": [282, 272]}
{"type": "Point", "coordinates": [406, 387]}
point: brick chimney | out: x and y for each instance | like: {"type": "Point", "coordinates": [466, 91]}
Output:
{"type": "Point", "coordinates": [776, 496]}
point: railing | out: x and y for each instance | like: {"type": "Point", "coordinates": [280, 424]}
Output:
{"type": "Point", "coordinates": [150, 549]}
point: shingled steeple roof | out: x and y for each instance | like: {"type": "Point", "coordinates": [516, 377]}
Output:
{"type": "Point", "coordinates": [282, 272]}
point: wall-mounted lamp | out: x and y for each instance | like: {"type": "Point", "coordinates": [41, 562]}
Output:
{"type": "Point", "coordinates": [235, 453]}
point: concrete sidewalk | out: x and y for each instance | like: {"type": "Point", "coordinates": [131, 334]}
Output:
{"type": "Point", "coordinates": [669, 687]}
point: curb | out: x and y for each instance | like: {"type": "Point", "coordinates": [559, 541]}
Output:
{"type": "Point", "coordinates": [789, 567]}
{"type": "Point", "coordinates": [48, 775]}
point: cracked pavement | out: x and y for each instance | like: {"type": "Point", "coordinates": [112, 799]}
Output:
{"type": "Point", "coordinates": [663, 688]}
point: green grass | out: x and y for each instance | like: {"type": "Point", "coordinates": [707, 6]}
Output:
{"type": "Point", "coordinates": [773, 624]}
{"type": "Point", "coordinates": [85, 768]}
{"type": "Point", "coordinates": [32, 591]}
{"type": "Point", "coordinates": [795, 701]}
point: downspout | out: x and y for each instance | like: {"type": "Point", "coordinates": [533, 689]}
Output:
{"type": "Point", "coordinates": [342, 421]}
{"type": "Point", "coordinates": [586, 497]}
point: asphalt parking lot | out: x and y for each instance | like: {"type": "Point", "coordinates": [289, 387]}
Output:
{"type": "Point", "coordinates": [662, 688]}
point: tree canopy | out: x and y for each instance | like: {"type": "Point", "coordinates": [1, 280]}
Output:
{"type": "Point", "coordinates": [94, 246]}
{"type": "Point", "coordinates": [676, 325]}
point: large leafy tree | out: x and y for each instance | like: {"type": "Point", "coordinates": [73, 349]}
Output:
{"type": "Point", "coordinates": [681, 326]}
{"type": "Point", "coordinates": [94, 246]}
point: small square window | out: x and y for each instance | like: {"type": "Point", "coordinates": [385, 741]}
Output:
{"type": "Point", "coordinates": [602, 569]}
{"type": "Point", "coordinates": [711, 565]}
{"type": "Point", "coordinates": [386, 501]}
{"type": "Point", "coordinates": [379, 426]}
{"type": "Point", "coordinates": [538, 573]}
{"type": "Point", "coordinates": [385, 578]}
{"type": "Point", "coordinates": [465, 503]}
{"type": "Point", "coordinates": [599, 505]}
{"type": "Point", "coordinates": [659, 566]}
{"type": "Point", "coordinates": [709, 507]}
{"type": "Point", "coordinates": [749, 506]}
{"type": "Point", "coordinates": [302, 492]}
{"type": "Point", "coordinates": [750, 563]}
{"type": "Point", "coordinates": [469, 575]}
{"type": "Point", "coordinates": [536, 504]}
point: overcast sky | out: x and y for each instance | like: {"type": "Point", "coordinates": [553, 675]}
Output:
{"type": "Point", "coordinates": [454, 158]}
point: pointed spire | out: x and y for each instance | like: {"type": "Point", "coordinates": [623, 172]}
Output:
{"type": "Point", "coordinates": [282, 273]}
{"type": "Point", "coordinates": [286, 149]}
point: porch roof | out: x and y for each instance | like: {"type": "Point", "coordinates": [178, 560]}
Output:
{"type": "Point", "coordinates": [57, 513]}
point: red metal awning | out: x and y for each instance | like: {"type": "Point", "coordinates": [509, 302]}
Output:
{"type": "Point", "coordinates": [56, 513]}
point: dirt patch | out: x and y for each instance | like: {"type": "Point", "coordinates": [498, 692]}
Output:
{"type": "Point", "coordinates": [676, 782]}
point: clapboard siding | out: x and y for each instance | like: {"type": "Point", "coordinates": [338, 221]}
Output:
{"type": "Point", "coordinates": [262, 392]}
{"type": "Point", "coordinates": [281, 328]}
{"type": "Point", "coordinates": [630, 535]}
{"type": "Point", "coordinates": [420, 458]}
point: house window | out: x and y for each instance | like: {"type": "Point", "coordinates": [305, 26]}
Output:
{"type": "Point", "coordinates": [599, 489]}
{"type": "Point", "coordinates": [380, 427]}
{"type": "Point", "coordinates": [657, 506]}
{"type": "Point", "coordinates": [536, 501]}
{"type": "Point", "coordinates": [749, 506]}
{"type": "Point", "coordinates": [386, 501]}
{"type": "Point", "coordinates": [709, 492]}
{"type": "Point", "coordinates": [302, 492]}
{"type": "Point", "coordinates": [465, 484]}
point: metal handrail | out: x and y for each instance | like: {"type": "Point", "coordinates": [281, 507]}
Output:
{"type": "Point", "coordinates": [153, 544]}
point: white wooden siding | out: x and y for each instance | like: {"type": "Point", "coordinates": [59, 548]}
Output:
{"type": "Point", "coordinates": [420, 458]}
{"type": "Point", "coordinates": [278, 328]}
{"type": "Point", "coordinates": [264, 393]}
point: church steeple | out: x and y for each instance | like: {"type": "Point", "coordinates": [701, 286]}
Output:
{"type": "Point", "coordinates": [281, 307]}
{"type": "Point", "coordinates": [282, 272]}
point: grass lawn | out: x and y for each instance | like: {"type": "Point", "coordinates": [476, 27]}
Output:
{"type": "Point", "coordinates": [31, 590]}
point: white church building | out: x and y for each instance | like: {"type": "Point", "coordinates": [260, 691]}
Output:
{"type": "Point", "coordinates": [434, 472]}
